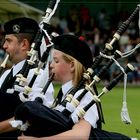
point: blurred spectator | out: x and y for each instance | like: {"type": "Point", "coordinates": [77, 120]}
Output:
{"type": "Point", "coordinates": [104, 21]}
{"type": "Point", "coordinates": [73, 20]}
{"type": "Point", "coordinates": [55, 23]}
{"type": "Point", "coordinates": [123, 42]}
{"type": "Point", "coordinates": [86, 21]}
{"type": "Point", "coordinates": [93, 40]}
{"type": "Point", "coordinates": [64, 25]}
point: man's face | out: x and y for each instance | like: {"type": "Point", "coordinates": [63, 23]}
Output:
{"type": "Point", "coordinates": [12, 47]}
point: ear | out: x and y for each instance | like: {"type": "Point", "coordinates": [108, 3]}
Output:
{"type": "Point", "coordinates": [25, 45]}
{"type": "Point", "coordinates": [72, 68]}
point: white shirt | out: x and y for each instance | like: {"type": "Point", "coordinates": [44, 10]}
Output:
{"type": "Point", "coordinates": [16, 69]}
{"type": "Point", "coordinates": [91, 115]}
{"type": "Point", "coordinates": [42, 79]}
{"type": "Point", "coordinates": [38, 84]}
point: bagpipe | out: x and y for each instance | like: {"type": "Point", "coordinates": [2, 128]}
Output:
{"type": "Point", "coordinates": [44, 121]}
{"type": "Point", "coordinates": [35, 119]}
{"type": "Point", "coordinates": [3, 65]}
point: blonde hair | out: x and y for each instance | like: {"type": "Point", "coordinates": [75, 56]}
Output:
{"type": "Point", "coordinates": [79, 68]}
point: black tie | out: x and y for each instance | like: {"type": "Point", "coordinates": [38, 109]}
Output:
{"type": "Point", "coordinates": [59, 97]}
{"type": "Point", "coordinates": [8, 81]}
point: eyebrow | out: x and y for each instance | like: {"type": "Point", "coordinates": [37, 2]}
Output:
{"type": "Point", "coordinates": [7, 39]}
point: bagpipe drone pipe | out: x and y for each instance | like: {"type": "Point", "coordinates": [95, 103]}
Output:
{"type": "Point", "coordinates": [9, 102]}
{"type": "Point", "coordinates": [3, 65]}
{"type": "Point", "coordinates": [35, 119]}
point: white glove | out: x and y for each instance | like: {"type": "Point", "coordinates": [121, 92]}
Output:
{"type": "Point", "coordinates": [19, 88]}
{"type": "Point", "coordinates": [22, 97]}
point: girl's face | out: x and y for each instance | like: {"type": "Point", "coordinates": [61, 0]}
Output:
{"type": "Point", "coordinates": [63, 70]}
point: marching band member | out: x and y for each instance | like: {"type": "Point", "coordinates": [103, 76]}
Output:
{"type": "Point", "coordinates": [71, 57]}
{"type": "Point", "coordinates": [19, 35]}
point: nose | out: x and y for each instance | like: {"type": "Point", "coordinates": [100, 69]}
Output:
{"type": "Point", "coordinates": [5, 46]}
{"type": "Point", "coordinates": [50, 66]}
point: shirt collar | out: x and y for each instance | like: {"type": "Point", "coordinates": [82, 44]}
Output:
{"type": "Point", "coordinates": [18, 67]}
{"type": "Point", "coordinates": [66, 87]}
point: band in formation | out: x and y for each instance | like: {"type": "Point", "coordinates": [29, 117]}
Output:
{"type": "Point", "coordinates": [28, 107]}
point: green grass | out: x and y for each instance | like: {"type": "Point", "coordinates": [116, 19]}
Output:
{"type": "Point", "coordinates": [112, 105]}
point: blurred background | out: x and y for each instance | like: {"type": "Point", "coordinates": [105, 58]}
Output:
{"type": "Point", "coordinates": [96, 21]}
